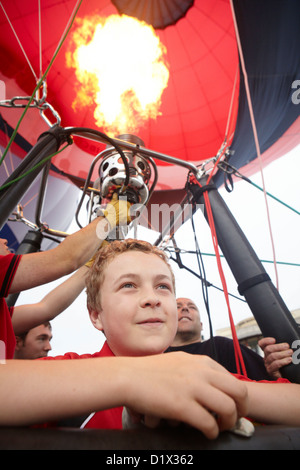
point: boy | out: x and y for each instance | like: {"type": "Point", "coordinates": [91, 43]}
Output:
{"type": "Point", "coordinates": [131, 298]}
{"type": "Point", "coordinates": [174, 386]}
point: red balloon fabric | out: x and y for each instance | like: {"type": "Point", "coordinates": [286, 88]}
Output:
{"type": "Point", "coordinates": [201, 104]}
{"type": "Point", "coordinates": [203, 62]}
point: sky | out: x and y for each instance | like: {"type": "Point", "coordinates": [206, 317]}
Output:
{"type": "Point", "coordinates": [73, 331]}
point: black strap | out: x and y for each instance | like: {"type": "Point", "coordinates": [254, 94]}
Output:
{"type": "Point", "coordinates": [9, 273]}
{"type": "Point", "coordinates": [199, 190]}
{"type": "Point", "coordinates": [207, 187]}
{"type": "Point", "coordinates": [30, 241]}
{"type": "Point", "coordinates": [252, 281]}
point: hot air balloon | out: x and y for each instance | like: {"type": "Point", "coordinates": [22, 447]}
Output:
{"type": "Point", "coordinates": [231, 98]}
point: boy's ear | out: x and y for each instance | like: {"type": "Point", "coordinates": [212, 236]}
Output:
{"type": "Point", "coordinates": [95, 317]}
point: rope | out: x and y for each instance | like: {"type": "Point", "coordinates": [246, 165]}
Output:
{"type": "Point", "coordinates": [230, 170]}
{"type": "Point", "coordinates": [6, 185]}
{"type": "Point", "coordinates": [286, 263]}
{"type": "Point", "coordinates": [19, 42]}
{"type": "Point", "coordinates": [275, 198]}
{"type": "Point", "coordinates": [40, 40]}
{"type": "Point", "coordinates": [237, 350]}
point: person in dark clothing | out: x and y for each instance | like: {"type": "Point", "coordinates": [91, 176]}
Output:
{"type": "Point", "coordinates": [221, 349]}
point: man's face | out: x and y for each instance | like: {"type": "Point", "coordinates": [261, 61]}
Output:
{"type": "Point", "coordinates": [138, 306]}
{"type": "Point", "coordinates": [4, 250]}
{"type": "Point", "coordinates": [37, 343]}
{"type": "Point", "coordinates": [188, 316]}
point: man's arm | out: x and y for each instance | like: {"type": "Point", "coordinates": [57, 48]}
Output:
{"type": "Point", "coordinates": [40, 268]}
{"type": "Point", "coordinates": [59, 299]}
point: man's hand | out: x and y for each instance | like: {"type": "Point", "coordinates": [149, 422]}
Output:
{"type": "Point", "coordinates": [117, 211]}
{"type": "Point", "coordinates": [275, 355]}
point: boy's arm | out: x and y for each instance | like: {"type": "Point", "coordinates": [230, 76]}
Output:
{"type": "Point", "coordinates": [274, 403]}
{"type": "Point", "coordinates": [175, 386]}
{"type": "Point", "coordinates": [59, 299]}
{"type": "Point", "coordinates": [39, 268]}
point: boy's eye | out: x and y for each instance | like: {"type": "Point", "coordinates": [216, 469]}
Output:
{"type": "Point", "coordinates": [164, 286]}
{"type": "Point", "coordinates": [127, 285]}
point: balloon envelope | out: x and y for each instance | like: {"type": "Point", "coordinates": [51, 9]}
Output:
{"type": "Point", "coordinates": [206, 89]}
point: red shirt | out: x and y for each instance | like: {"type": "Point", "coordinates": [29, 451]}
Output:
{"type": "Point", "coordinates": [106, 419]}
{"type": "Point", "coordinates": [8, 267]}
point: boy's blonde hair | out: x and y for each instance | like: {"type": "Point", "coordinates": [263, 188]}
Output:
{"type": "Point", "coordinates": [105, 255]}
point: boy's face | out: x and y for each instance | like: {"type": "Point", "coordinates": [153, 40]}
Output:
{"type": "Point", "coordinates": [138, 306]}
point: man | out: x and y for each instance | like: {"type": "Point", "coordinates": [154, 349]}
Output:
{"type": "Point", "coordinates": [35, 343]}
{"type": "Point", "coordinates": [189, 323]}
{"type": "Point", "coordinates": [221, 349]}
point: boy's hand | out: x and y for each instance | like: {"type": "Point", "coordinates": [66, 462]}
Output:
{"type": "Point", "coordinates": [275, 355]}
{"type": "Point", "coordinates": [191, 389]}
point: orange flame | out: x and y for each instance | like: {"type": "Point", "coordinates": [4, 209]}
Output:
{"type": "Point", "coordinates": [120, 66]}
